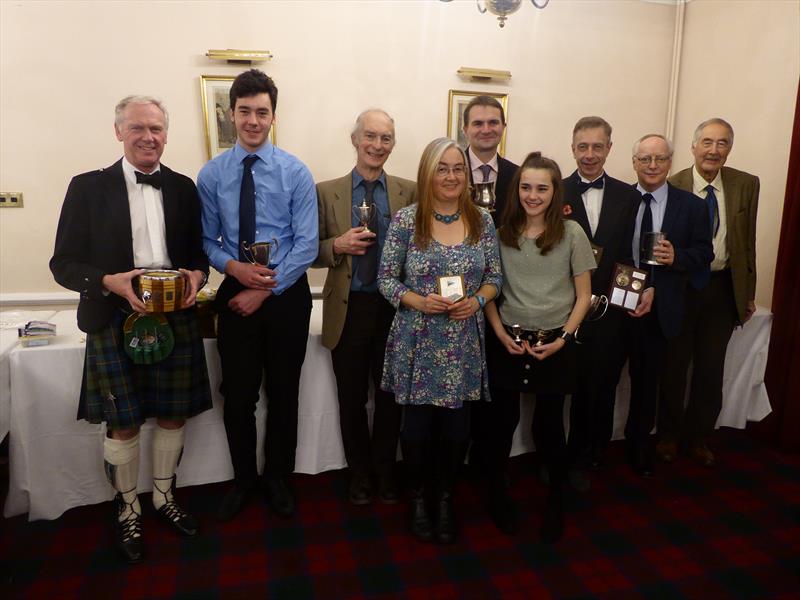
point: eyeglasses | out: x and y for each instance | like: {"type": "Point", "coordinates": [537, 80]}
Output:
{"type": "Point", "coordinates": [646, 160]}
{"type": "Point", "coordinates": [457, 170]}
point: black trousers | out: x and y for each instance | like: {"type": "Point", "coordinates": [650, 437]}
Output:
{"type": "Point", "coordinates": [645, 345]}
{"type": "Point", "coordinates": [547, 429]}
{"type": "Point", "coordinates": [708, 324]}
{"type": "Point", "coordinates": [272, 342]}
{"type": "Point", "coordinates": [358, 357]}
{"type": "Point", "coordinates": [601, 356]}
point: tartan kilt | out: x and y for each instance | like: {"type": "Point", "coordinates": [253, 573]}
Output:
{"type": "Point", "coordinates": [124, 394]}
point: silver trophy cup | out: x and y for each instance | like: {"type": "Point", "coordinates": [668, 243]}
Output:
{"type": "Point", "coordinates": [258, 253]}
{"type": "Point", "coordinates": [483, 195]}
{"type": "Point", "coordinates": [650, 242]}
{"type": "Point", "coordinates": [364, 213]}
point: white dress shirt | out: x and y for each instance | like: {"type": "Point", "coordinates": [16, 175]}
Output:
{"type": "Point", "coordinates": [592, 202]}
{"type": "Point", "coordinates": [147, 221]}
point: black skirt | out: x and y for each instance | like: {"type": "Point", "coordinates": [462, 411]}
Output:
{"type": "Point", "coordinates": [557, 374]}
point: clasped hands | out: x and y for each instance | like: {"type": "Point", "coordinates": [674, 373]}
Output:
{"type": "Point", "coordinates": [258, 282]}
{"type": "Point", "coordinates": [121, 284]}
{"type": "Point", "coordinates": [538, 352]}
{"type": "Point", "coordinates": [434, 304]}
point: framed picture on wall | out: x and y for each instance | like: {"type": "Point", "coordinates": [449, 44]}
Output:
{"type": "Point", "coordinates": [220, 131]}
{"type": "Point", "coordinates": [457, 102]}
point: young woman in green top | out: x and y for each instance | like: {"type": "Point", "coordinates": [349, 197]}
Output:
{"type": "Point", "coordinates": [547, 264]}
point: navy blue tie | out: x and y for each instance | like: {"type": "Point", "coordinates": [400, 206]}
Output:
{"type": "Point", "coordinates": [647, 225]}
{"type": "Point", "coordinates": [247, 205]}
{"type": "Point", "coordinates": [713, 209]}
{"type": "Point", "coordinates": [368, 263]}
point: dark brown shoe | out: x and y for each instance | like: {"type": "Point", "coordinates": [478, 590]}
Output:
{"type": "Point", "coordinates": [703, 456]}
{"type": "Point", "coordinates": [667, 451]}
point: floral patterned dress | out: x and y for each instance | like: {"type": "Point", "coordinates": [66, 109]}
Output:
{"type": "Point", "coordinates": [432, 359]}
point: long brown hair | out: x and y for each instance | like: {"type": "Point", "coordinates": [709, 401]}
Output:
{"type": "Point", "coordinates": [428, 163]}
{"type": "Point", "coordinates": [514, 218]}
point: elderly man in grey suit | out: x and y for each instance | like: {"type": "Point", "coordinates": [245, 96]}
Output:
{"type": "Point", "coordinates": [715, 304]}
{"type": "Point", "coordinates": [355, 317]}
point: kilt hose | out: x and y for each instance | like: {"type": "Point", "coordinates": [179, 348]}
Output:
{"type": "Point", "coordinates": [124, 394]}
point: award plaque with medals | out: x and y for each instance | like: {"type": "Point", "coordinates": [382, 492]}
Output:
{"type": "Point", "coordinates": [627, 286]}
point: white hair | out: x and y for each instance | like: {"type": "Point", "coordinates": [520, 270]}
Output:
{"type": "Point", "coordinates": [712, 121]}
{"type": "Point", "coordinates": [359, 125]}
{"type": "Point", "coordinates": [127, 100]}
{"type": "Point", "coordinates": [648, 136]}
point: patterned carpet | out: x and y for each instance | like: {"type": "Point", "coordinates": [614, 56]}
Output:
{"type": "Point", "coordinates": [732, 532]}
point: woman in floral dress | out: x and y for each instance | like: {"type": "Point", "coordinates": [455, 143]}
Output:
{"type": "Point", "coordinates": [435, 359]}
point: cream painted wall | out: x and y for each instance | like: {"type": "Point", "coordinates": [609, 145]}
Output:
{"type": "Point", "coordinates": [63, 66]}
{"type": "Point", "coordinates": [741, 62]}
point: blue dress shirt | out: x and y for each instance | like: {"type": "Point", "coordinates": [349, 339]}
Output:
{"type": "Point", "coordinates": [382, 214]}
{"type": "Point", "coordinates": [286, 209]}
{"type": "Point", "coordinates": [658, 205]}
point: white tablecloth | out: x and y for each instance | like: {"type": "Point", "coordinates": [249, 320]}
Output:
{"type": "Point", "coordinates": [56, 462]}
{"type": "Point", "coordinates": [9, 321]}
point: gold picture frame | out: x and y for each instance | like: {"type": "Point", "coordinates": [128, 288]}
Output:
{"type": "Point", "coordinates": [457, 101]}
{"type": "Point", "coordinates": [220, 131]}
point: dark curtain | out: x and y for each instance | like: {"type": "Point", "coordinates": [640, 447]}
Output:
{"type": "Point", "coordinates": [782, 377]}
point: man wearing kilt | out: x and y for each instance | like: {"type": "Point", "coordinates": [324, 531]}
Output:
{"type": "Point", "coordinates": [116, 222]}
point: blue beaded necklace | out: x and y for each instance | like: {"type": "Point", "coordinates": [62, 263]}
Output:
{"type": "Point", "coordinates": [447, 219]}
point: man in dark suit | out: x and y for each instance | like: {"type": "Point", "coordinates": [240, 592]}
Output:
{"type": "Point", "coordinates": [355, 316]}
{"type": "Point", "coordinates": [714, 305]}
{"type": "Point", "coordinates": [484, 126]}
{"type": "Point", "coordinates": [605, 208]}
{"type": "Point", "coordinates": [137, 213]}
{"type": "Point", "coordinates": [685, 252]}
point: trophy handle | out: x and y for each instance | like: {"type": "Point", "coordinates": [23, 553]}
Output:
{"type": "Point", "coordinates": [247, 253]}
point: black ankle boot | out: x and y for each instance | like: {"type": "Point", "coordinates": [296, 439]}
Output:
{"type": "Point", "coordinates": [446, 523]}
{"type": "Point", "coordinates": [420, 523]}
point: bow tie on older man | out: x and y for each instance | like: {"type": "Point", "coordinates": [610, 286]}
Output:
{"type": "Point", "coordinates": [585, 185]}
{"type": "Point", "coordinates": [153, 179]}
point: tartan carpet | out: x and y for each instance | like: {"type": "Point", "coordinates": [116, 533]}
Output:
{"type": "Point", "coordinates": [731, 532]}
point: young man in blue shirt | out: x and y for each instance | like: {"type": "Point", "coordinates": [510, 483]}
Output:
{"type": "Point", "coordinates": [256, 192]}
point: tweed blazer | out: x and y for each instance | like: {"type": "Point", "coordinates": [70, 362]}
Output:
{"type": "Point", "coordinates": [741, 208]}
{"type": "Point", "coordinates": [335, 201]}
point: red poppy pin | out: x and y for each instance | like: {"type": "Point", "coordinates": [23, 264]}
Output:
{"type": "Point", "coordinates": [567, 210]}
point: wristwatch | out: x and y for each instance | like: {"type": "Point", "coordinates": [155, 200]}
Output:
{"type": "Point", "coordinates": [481, 300]}
{"type": "Point", "coordinates": [568, 337]}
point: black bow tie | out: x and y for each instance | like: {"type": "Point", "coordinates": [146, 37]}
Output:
{"type": "Point", "coordinates": [153, 179]}
{"type": "Point", "coordinates": [584, 185]}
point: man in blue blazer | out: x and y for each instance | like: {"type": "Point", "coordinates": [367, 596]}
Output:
{"type": "Point", "coordinates": [686, 251]}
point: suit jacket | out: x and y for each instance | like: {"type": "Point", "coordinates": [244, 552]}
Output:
{"type": "Point", "coordinates": [741, 208]}
{"type": "Point", "coordinates": [335, 203]}
{"type": "Point", "coordinates": [94, 237]}
{"type": "Point", "coordinates": [614, 228]}
{"type": "Point", "coordinates": [505, 173]}
{"type": "Point", "coordinates": [686, 226]}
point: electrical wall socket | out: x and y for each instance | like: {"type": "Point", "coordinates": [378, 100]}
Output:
{"type": "Point", "coordinates": [11, 199]}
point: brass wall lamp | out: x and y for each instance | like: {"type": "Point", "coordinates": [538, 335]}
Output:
{"type": "Point", "coordinates": [240, 57]}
